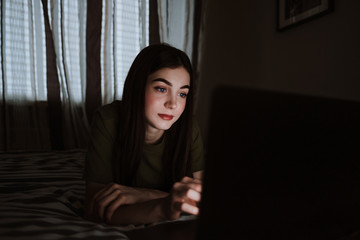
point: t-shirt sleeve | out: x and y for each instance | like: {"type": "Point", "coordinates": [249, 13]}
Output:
{"type": "Point", "coordinates": [98, 165]}
{"type": "Point", "coordinates": [197, 149]}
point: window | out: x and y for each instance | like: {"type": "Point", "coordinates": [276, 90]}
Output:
{"type": "Point", "coordinates": [125, 32]}
{"type": "Point", "coordinates": [23, 68]}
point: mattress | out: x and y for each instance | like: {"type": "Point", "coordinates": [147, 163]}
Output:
{"type": "Point", "coordinates": [42, 197]}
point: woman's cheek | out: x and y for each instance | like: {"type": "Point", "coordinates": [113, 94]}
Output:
{"type": "Point", "coordinates": [182, 107]}
{"type": "Point", "coordinates": [150, 99]}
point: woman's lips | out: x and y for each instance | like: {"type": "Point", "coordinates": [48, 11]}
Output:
{"type": "Point", "coordinates": [166, 117]}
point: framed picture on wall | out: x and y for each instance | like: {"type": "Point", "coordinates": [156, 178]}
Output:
{"type": "Point", "coordinates": [294, 12]}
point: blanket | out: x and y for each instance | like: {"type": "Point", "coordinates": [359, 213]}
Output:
{"type": "Point", "coordinates": [42, 197]}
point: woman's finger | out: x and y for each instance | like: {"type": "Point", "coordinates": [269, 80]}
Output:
{"type": "Point", "coordinates": [94, 202]}
{"type": "Point", "coordinates": [111, 208]}
{"type": "Point", "coordinates": [106, 201]}
{"type": "Point", "coordinates": [193, 195]}
{"type": "Point", "coordinates": [196, 180]}
{"type": "Point", "coordinates": [185, 207]}
{"type": "Point", "coordinates": [181, 186]}
{"type": "Point", "coordinates": [194, 186]}
{"type": "Point", "coordinates": [187, 179]}
{"type": "Point", "coordinates": [107, 190]}
{"type": "Point", "coordinates": [102, 198]}
{"type": "Point", "coordinates": [191, 180]}
{"type": "Point", "coordinates": [185, 196]}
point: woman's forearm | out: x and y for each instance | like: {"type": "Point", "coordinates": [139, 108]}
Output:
{"type": "Point", "coordinates": [150, 194]}
{"type": "Point", "coordinates": [103, 200]}
{"type": "Point", "coordinates": [184, 197]}
{"type": "Point", "coordinates": [122, 205]}
{"type": "Point", "coordinates": [146, 193]}
{"type": "Point", "coordinates": [140, 213]}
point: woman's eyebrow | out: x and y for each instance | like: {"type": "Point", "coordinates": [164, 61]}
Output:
{"type": "Point", "coordinates": [163, 80]}
{"type": "Point", "coordinates": [169, 83]}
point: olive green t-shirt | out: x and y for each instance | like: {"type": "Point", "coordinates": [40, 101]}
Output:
{"type": "Point", "coordinates": [98, 167]}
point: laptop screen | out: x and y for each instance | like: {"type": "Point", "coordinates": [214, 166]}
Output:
{"type": "Point", "coordinates": [280, 166]}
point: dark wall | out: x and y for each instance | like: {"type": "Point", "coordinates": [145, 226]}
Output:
{"type": "Point", "coordinates": [242, 47]}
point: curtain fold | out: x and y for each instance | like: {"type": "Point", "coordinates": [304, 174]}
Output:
{"type": "Point", "coordinates": [43, 75]}
{"type": "Point", "coordinates": [124, 32]}
{"type": "Point", "coordinates": [23, 77]}
{"type": "Point", "coordinates": [154, 35]}
{"type": "Point", "coordinates": [197, 35]}
{"type": "Point", "coordinates": [180, 24]}
{"type": "Point", "coordinates": [176, 23]}
{"type": "Point", "coordinates": [69, 35]}
{"type": "Point", "coordinates": [93, 44]}
{"type": "Point", "coordinates": [53, 86]}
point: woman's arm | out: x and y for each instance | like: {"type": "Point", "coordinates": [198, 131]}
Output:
{"type": "Point", "coordinates": [142, 206]}
{"type": "Point", "coordinates": [183, 197]}
{"type": "Point", "coordinates": [102, 200]}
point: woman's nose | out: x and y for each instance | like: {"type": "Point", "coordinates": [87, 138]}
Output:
{"type": "Point", "coordinates": [171, 102]}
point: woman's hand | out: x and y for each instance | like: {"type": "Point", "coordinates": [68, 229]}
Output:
{"type": "Point", "coordinates": [117, 204]}
{"type": "Point", "coordinates": [110, 197]}
{"type": "Point", "coordinates": [184, 197]}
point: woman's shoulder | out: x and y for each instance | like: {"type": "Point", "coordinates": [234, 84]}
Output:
{"type": "Point", "coordinates": [106, 119]}
{"type": "Point", "coordinates": [110, 111]}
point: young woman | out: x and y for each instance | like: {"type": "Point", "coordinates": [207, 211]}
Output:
{"type": "Point", "coordinates": [145, 156]}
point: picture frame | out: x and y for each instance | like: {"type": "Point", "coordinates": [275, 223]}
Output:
{"type": "Point", "coordinates": [295, 12]}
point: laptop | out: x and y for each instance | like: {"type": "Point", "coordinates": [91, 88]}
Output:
{"type": "Point", "coordinates": [280, 166]}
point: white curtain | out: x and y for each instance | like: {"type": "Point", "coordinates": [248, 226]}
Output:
{"type": "Point", "coordinates": [176, 20]}
{"type": "Point", "coordinates": [68, 24]}
{"type": "Point", "coordinates": [24, 116]}
{"type": "Point", "coordinates": [23, 76]}
{"type": "Point", "coordinates": [24, 120]}
{"type": "Point", "coordinates": [125, 31]}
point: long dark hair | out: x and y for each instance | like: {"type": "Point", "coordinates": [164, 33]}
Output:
{"type": "Point", "coordinates": [131, 136]}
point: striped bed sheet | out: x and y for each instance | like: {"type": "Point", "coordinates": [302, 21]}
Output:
{"type": "Point", "coordinates": [41, 197]}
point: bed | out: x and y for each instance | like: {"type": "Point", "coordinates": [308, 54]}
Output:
{"type": "Point", "coordinates": [41, 197]}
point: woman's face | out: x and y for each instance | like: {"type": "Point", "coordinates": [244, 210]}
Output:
{"type": "Point", "coordinates": [165, 97]}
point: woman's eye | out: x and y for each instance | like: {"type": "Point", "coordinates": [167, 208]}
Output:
{"type": "Point", "coordinates": [183, 95]}
{"type": "Point", "coordinates": [160, 89]}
